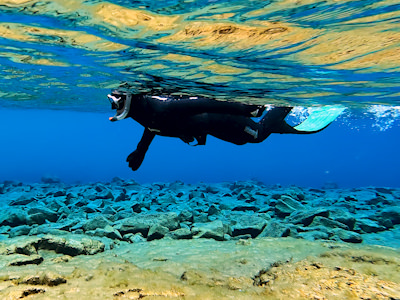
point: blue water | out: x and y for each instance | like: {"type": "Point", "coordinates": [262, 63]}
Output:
{"type": "Point", "coordinates": [59, 59]}
{"type": "Point", "coordinates": [78, 146]}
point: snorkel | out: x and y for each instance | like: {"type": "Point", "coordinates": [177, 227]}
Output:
{"type": "Point", "coordinates": [116, 103]}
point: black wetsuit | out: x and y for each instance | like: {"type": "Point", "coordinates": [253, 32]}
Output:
{"type": "Point", "coordinates": [193, 118]}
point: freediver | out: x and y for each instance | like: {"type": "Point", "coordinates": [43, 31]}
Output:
{"type": "Point", "coordinates": [193, 118]}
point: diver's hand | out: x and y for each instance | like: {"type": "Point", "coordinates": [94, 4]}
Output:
{"type": "Point", "coordinates": [135, 159]}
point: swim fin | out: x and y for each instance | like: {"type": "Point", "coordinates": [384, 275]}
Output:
{"type": "Point", "coordinates": [318, 119]}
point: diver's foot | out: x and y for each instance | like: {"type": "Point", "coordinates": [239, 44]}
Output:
{"type": "Point", "coordinates": [259, 111]}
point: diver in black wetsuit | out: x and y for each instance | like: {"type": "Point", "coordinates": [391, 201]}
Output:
{"type": "Point", "coordinates": [192, 118]}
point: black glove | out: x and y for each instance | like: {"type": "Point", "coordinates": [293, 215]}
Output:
{"type": "Point", "coordinates": [135, 159]}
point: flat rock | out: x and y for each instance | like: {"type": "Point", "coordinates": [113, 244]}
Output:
{"type": "Point", "coordinates": [314, 235]}
{"type": "Point", "coordinates": [181, 234]}
{"type": "Point", "coordinates": [19, 230]}
{"type": "Point", "coordinates": [142, 223]}
{"type": "Point", "coordinates": [22, 260]}
{"type": "Point", "coordinates": [107, 231]}
{"type": "Point", "coordinates": [368, 226]}
{"type": "Point", "coordinates": [287, 205]}
{"type": "Point", "coordinates": [39, 215]}
{"type": "Point", "coordinates": [307, 216]}
{"type": "Point", "coordinates": [43, 278]}
{"type": "Point", "coordinates": [322, 221]}
{"type": "Point", "coordinates": [23, 200]}
{"type": "Point", "coordinates": [72, 245]}
{"type": "Point", "coordinates": [246, 208]}
{"type": "Point", "coordinates": [348, 236]}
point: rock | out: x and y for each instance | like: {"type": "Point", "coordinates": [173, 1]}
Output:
{"type": "Point", "coordinates": [134, 238]}
{"type": "Point", "coordinates": [108, 210]}
{"type": "Point", "coordinates": [50, 179]}
{"type": "Point", "coordinates": [107, 231]}
{"type": "Point", "coordinates": [212, 189]}
{"type": "Point", "coordinates": [23, 200]}
{"type": "Point", "coordinates": [106, 194]}
{"type": "Point", "coordinates": [142, 223]}
{"type": "Point", "coordinates": [213, 210]}
{"type": "Point", "coordinates": [306, 217]}
{"type": "Point", "coordinates": [60, 193]}
{"type": "Point", "coordinates": [46, 229]}
{"type": "Point", "coordinates": [19, 230]}
{"type": "Point", "coordinates": [157, 232]}
{"type": "Point", "coordinates": [246, 208]}
{"type": "Point", "coordinates": [325, 222]}
{"type": "Point", "coordinates": [71, 246]}
{"type": "Point", "coordinates": [213, 230]}
{"type": "Point", "coordinates": [196, 194]}
{"type": "Point", "coordinates": [22, 260]}
{"type": "Point", "coordinates": [276, 229]}
{"type": "Point", "coordinates": [181, 234]}
{"type": "Point", "coordinates": [49, 279]}
{"type": "Point", "coordinates": [19, 245]}
{"type": "Point", "coordinates": [287, 205]}
{"type": "Point", "coordinates": [347, 236]}
{"type": "Point", "coordinates": [200, 217]}
{"type": "Point", "coordinates": [97, 222]}
{"type": "Point", "coordinates": [137, 208]}
{"type": "Point", "coordinates": [13, 217]}
{"type": "Point", "coordinates": [343, 217]}
{"type": "Point", "coordinates": [251, 225]}
{"type": "Point", "coordinates": [185, 216]}
{"type": "Point", "coordinates": [39, 215]}
{"type": "Point", "coordinates": [120, 197]}
{"type": "Point", "coordinates": [390, 213]}
{"type": "Point", "coordinates": [166, 199]}
{"type": "Point", "coordinates": [368, 226]}
{"type": "Point", "coordinates": [314, 235]}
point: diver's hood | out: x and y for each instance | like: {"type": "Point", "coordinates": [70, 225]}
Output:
{"type": "Point", "coordinates": [121, 101]}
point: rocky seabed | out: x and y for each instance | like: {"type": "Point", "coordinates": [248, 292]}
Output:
{"type": "Point", "coordinates": [89, 219]}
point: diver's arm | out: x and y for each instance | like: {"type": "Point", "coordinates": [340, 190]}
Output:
{"type": "Point", "coordinates": [136, 158]}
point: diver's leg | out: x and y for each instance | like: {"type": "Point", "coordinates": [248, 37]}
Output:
{"type": "Point", "coordinates": [136, 158]}
{"type": "Point", "coordinates": [235, 129]}
{"type": "Point", "coordinates": [240, 130]}
{"type": "Point", "coordinates": [187, 106]}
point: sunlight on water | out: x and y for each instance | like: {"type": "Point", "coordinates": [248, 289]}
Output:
{"type": "Point", "coordinates": [68, 54]}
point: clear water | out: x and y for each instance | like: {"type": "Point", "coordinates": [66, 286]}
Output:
{"type": "Point", "coordinates": [67, 55]}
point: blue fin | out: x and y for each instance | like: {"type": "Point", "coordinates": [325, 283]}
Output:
{"type": "Point", "coordinates": [320, 117]}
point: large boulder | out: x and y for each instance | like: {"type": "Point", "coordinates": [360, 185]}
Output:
{"type": "Point", "coordinates": [142, 223]}
{"type": "Point", "coordinates": [212, 230]}
{"type": "Point", "coordinates": [13, 217]}
{"type": "Point", "coordinates": [39, 215]}
{"type": "Point", "coordinates": [306, 217]}
{"type": "Point", "coordinates": [97, 222]}
{"type": "Point", "coordinates": [287, 205]}
{"type": "Point", "coordinates": [248, 224]}
{"type": "Point", "coordinates": [389, 214]}
{"type": "Point", "coordinates": [277, 229]}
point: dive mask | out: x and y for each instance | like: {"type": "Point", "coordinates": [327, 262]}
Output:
{"type": "Point", "coordinates": [121, 101]}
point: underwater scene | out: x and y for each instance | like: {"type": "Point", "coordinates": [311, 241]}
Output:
{"type": "Point", "coordinates": [293, 188]}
